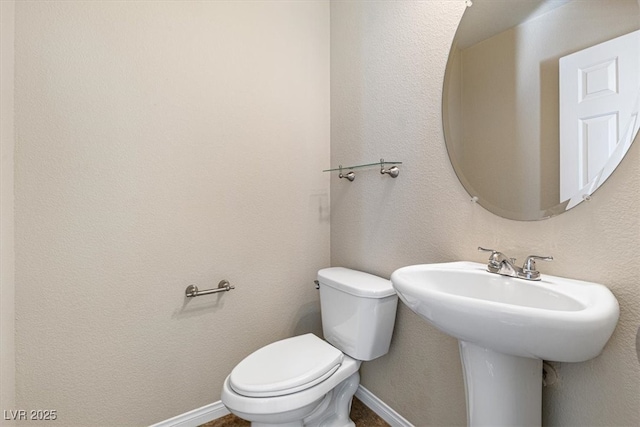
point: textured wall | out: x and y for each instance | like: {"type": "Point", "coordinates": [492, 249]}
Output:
{"type": "Point", "coordinates": [7, 254]}
{"type": "Point", "coordinates": [160, 144]}
{"type": "Point", "coordinates": [387, 66]}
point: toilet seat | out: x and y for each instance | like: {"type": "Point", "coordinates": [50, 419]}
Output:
{"type": "Point", "coordinates": [284, 367]}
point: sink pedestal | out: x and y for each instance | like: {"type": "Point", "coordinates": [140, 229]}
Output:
{"type": "Point", "coordinates": [502, 390]}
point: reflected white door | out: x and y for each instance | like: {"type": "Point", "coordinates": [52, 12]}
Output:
{"type": "Point", "coordinates": [599, 98]}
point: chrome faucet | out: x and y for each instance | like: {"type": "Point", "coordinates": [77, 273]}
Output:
{"type": "Point", "coordinates": [499, 263]}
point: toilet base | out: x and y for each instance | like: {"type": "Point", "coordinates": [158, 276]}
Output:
{"type": "Point", "coordinates": [333, 410]}
{"type": "Point", "coordinates": [293, 418]}
{"type": "Point", "coordinates": [293, 424]}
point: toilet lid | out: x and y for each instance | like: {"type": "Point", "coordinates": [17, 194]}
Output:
{"type": "Point", "coordinates": [285, 367]}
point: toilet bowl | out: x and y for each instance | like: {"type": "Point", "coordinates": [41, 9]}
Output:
{"type": "Point", "coordinates": [307, 381]}
{"type": "Point", "coordinates": [289, 406]}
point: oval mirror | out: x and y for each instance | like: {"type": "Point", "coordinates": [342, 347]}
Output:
{"type": "Point", "coordinates": [541, 100]}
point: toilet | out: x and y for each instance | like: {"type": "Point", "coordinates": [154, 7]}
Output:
{"type": "Point", "coordinates": [307, 381]}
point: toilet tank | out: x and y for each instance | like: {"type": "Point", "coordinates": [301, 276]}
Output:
{"type": "Point", "coordinates": [358, 311]}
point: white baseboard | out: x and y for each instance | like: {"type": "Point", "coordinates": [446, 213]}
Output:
{"type": "Point", "coordinates": [216, 410]}
{"type": "Point", "coordinates": [196, 417]}
{"type": "Point", "coordinates": [383, 410]}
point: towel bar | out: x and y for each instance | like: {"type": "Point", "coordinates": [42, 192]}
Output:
{"type": "Point", "coordinates": [193, 291]}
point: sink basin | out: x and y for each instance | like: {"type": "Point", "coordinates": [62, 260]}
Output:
{"type": "Point", "coordinates": [506, 327]}
{"type": "Point", "coordinates": [553, 319]}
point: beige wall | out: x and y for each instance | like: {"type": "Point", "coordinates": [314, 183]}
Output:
{"type": "Point", "coordinates": [387, 66]}
{"type": "Point", "coordinates": [160, 144]}
{"type": "Point", "coordinates": [7, 255]}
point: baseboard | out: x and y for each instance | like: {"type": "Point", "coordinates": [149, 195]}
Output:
{"type": "Point", "coordinates": [196, 417]}
{"type": "Point", "coordinates": [216, 410]}
{"type": "Point", "coordinates": [383, 410]}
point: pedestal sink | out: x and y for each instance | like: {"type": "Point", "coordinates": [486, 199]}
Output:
{"type": "Point", "coordinates": [506, 327]}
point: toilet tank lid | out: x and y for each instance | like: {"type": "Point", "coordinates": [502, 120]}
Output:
{"type": "Point", "coordinates": [355, 282]}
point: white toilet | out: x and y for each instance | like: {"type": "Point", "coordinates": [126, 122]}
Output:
{"type": "Point", "coordinates": [305, 381]}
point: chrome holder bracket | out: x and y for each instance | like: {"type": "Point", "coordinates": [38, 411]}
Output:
{"type": "Point", "coordinates": [393, 171]}
{"type": "Point", "coordinates": [349, 175]}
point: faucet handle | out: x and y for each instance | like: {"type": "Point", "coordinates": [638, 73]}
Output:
{"type": "Point", "coordinates": [492, 257]}
{"type": "Point", "coordinates": [530, 262]}
{"type": "Point", "coordinates": [529, 271]}
{"type": "Point", "coordinates": [493, 264]}
{"type": "Point", "coordinates": [494, 254]}
{"type": "Point", "coordinates": [493, 251]}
